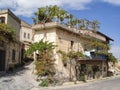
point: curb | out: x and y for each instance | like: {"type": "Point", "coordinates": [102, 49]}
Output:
{"type": "Point", "coordinates": [105, 78]}
{"type": "Point", "coordinates": [88, 81]}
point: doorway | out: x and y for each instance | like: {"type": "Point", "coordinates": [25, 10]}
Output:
{"type": "Point", "coordinates": [2, 60]}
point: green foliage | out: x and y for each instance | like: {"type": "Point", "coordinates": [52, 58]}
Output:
{"type": "Point", "coordinates": [45, 65]}
{"type": "Point", "coordinates": [75, 55]}
{"type": "Point", "coordinates": [45, 62]}
{"type": "Point", "coordinates": [7, 32]}
{"type": "Point", "coordinates": [65, 57]}
{"type": "Point", "coordinates": [41, 47]}
{"type": "Point", "coordinates": [48, 13]}
{"type": "Point", "coordinates": [49, 81]}
{"type": "Point", "coordinates": [99, 45]}
{"type": "Point", "coordinates": [53, 13]}
{"type": "Point", "coordinates": [95, 25]}
{"type": "Point", "coordinates": [44, 83]}
{"type": "Point", "coordinates": [70, 55]}
{"type": "Point", "coordinates": [111, 58]}
{"type": "Point", "coordinates": [82, 77]}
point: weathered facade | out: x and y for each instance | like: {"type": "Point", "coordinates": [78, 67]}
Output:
{"type": "Point", "coordinates": [10, 52]}
{"type": "Point", "coordinates": [26, 34]}
{"type": "Point", "coordinates": [70, 39]}
{"type": "Point", "coordinates": [13, 53]}
{"type": "Point", "coordinates": [26, 37]}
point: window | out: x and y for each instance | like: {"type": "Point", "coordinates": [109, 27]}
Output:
{"type": "Point", "coordinates": [72, 43]}
{"type": "Point", "coordinates": [24, 35]}
{"type": "Point", "coordinates": [2, 19]}
{"type": "Point", "coordinates": [28, 36]}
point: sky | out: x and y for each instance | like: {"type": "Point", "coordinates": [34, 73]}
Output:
{"type": "Point", "coordinates": [107, 12]}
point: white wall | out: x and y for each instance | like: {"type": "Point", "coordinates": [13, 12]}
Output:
{"type": "Point", "coordinates": [27, 31]}
{"type": "Point", "coordinates": [48, 35]}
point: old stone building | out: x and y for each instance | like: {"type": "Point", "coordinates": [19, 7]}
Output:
{"type": "Point", "coordinates": [13, 53]}
{"type": "Point", "coordinates": [26, 37]}
{"type": "Point", "coordinates": [70, 39]}
{"type": "Point", "coordinates": [10, 52]}
{"type": "Point", "coordinates": [26, 34]}
{"type": "Point", "coordinates": [67, 39]}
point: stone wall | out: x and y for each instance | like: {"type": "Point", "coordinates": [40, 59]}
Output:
{"type": "Point", "coordinates": [10, 47]}
{"type": "Point", "coordinates": [66, 40]}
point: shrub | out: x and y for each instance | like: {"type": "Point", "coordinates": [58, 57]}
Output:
{"type": "Point", "coordinates": [44, 83]}
{"type": "Point", "coordinates": [82, 77]}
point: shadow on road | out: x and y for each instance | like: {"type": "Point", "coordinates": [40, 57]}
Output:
{"type": "Point", "coordinates": [16, 71]}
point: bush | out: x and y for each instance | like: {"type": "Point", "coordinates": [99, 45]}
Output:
{"type": "Point", "coordinates": [82, 77]}
{"type": "Point", "coordinates": [49, 81]}
{"type": "Point", "coordinates": [44, 83]}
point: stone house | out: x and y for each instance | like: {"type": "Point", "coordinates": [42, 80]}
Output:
{"type": "Point", "coordinates": [13, 53]}
{"type": "Point", "coordinates": [10, 52]}
{"type": "Point", "coordinates": [26, 37]}
{"type": "Point", "coordinates": [70, 39]}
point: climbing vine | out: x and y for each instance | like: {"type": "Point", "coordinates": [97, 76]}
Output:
{"type": "Point", "coordinates": [7, 32]}
{"type": "Point", "coordinates": [70, 55]}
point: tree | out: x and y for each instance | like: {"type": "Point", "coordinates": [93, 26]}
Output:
{"type": "Point", "coordinates": [70, 20]}
{"type": "Point", "coordinates": [95, 25]}
{"type": "Point", "coordinates": [82, 24]}
{"type": "Point", "coordinates": [48, 14]}
{"type": "Point", "coordinates": [55, 13]}
{"type": "Point", "coordinates": [111, 58]}
{"type": "Point", "coordinates": [45, 61]}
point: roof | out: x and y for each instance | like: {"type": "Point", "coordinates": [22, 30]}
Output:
{"type": "Point", "coordinates": [25, 24]}
{"type": "Point", "coordinates": [7, 11]}
{"type": "Point", "coordinates": [105, 36]}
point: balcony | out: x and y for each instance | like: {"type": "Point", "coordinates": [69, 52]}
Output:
{"type": "Point", "coordinates": [98, 56]}
{"type": "Point", "coordinates": [95, 56]}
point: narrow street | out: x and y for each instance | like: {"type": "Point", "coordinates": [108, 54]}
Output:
{"type": "Point", "coordinates": [20, 79]}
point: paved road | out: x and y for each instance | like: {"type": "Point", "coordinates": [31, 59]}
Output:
{"type": "Point", "coordinates": [20, 79]}
{"type": "Point", "coordinates": [111, 84]}
{"type": "Point", "coordinates": [23, 79]}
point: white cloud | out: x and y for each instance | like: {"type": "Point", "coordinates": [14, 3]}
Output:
{"type": "Point", "coordinates": [116, 51]}
{"type": "Point", "coordinates": [28, 7]}
{"type": "Point", "coordinates": [114, 2]}
{"type": "Point", "coordinates": [76, 4]}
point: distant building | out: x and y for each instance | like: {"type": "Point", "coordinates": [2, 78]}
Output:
{"type": "Point", "coordinates": [26, 34]}
{"type": "Point", "coordinates": [26, 37]}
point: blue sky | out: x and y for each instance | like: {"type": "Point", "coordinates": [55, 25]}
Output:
{"type": "Point", "coordinates": [107, 12]}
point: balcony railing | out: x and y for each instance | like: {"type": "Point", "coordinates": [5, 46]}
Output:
{"type": "Point", "coordinates": [98, 56]}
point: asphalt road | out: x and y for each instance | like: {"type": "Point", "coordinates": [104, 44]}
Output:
{"type": "Point", "coordinates": [109, 84]}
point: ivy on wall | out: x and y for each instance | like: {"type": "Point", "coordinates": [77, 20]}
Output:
{"type": "Point", "coordinates": [7, 32]}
